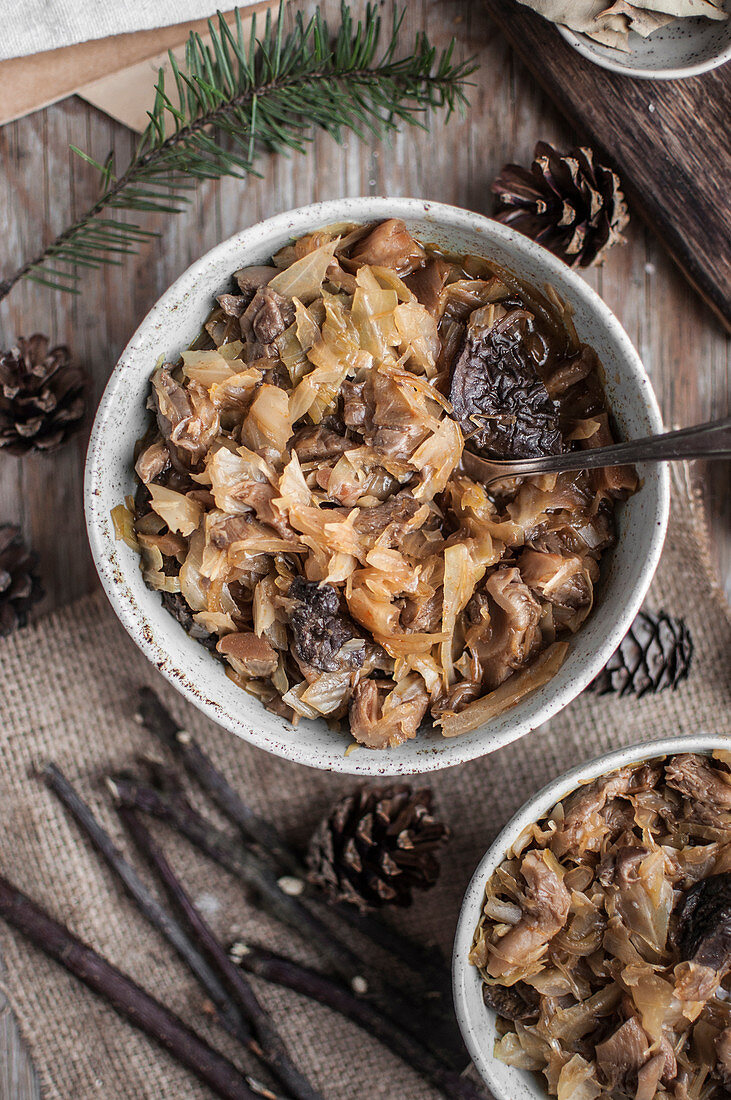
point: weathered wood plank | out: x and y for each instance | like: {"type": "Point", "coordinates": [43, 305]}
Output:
{"type": "Point", "coordinates": [18, 1080]}
{"type": "Point", "coordinates": [668, 138]}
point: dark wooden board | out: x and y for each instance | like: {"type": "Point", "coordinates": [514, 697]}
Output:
{"type": "Point", "coordinates": [668, 139]}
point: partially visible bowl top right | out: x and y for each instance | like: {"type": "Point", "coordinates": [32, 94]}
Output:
{"type": "Point", "coordinates": [683, 48]}
{"type": "Point", "coordinates": [603, 936]}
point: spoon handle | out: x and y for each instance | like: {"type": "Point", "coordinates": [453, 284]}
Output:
{"type": "Point", "coordinates": [711, 440]}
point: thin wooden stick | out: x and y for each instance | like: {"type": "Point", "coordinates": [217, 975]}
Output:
{"type": "Point", "coordinates": [157, 719]}
{"type": "Point", "coordinates": [148, 904]}
{"type": "Point", "coordinates": [125, 996]}
{"type": "Point", "coordinates": [245, 865]}
{"type": "Point", "coordinates": [238, 861]}
{"type": "Point", "coordinates": [319, 987]}
{"type": "Point", "coordinates": [426, 963]}
{"type": "Point", "coordinates": [271, 1047]}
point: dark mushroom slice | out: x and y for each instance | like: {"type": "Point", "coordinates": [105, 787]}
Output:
{"type": "Point", "coordinates": [356, 410]}
{"type": "Point", "coordinates": [512, 1002]}
{"type": "Point", "coordinates": [176, 604]}
{"type": "Point", "coordinates": [319, 627]}
{"type": "Point", "coordinates": [703, 930]}
{"type": "Point", "coordinates": [152, 461]}
{"type": "Point", "coordinates": [427, 283]}
{"type": "Point", "coordinates": [371, 727]}
{"type": "Point", "coordinates": [498, 398]}
{"type": "Point", "coordinates": [249, 279]}
{"type": "Point", "coordinates": [233, 305]}
{"type": "Point", "coordinates": [622, 1055]}
{"type": "Point", "coordinates": [186, 417]}
{"type": "Point", "coordinates": [699, 781]}
{"type": "Point", "coordinates": [318, 442]}
{"type": "Point", "coordinates": [267, 316]}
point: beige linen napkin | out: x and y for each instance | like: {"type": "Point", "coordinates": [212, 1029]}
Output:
{"type": "Point", "coordinates": [69, 684]}
{"type": "Point", "coordinates": [30, 26]}
{"type": "Point", "coordinates": [116, 74]}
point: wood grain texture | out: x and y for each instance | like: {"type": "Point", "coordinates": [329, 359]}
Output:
{"type": "Point", "coordinates": [42, 184]}
{"type": "Point", "coordinates": [18, 1080]}
{"type": "Point", "coordinates": [669, 140]}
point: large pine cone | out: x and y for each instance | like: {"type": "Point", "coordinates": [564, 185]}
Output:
{"type": "Point", "coordinates": [376, 846]}
{"type": "Point", "coordinates": [566, 201]}
{"type": "Point", "coordinates": [654, 654]}
{"type": "Point", "coordinates": [42, 396]}
{"type": "Point", "coordinates": [19, 584]}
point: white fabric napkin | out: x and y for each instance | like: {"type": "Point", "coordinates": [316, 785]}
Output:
{"type": "Point", "coordinates": [33, 26]}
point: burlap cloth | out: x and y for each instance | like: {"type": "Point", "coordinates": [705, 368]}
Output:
{"type": "Point", "coordinates": [69, 683]}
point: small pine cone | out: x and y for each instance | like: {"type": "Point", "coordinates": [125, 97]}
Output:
{"type": "Point", "coordinates": [20, 587]}
{"type": "Point", "coordinates": [567, 202]}
{"type": "Point", "coordinates": [376, 846]}
{"type": "Point", "coordinates": [42, 396]}
{"type": "Point", "coordinates": [654, 654]}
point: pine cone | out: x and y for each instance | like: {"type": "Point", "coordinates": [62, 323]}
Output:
{"type": "Point", "coordinates": [19, 585]}
{"type": "Point", "coordinates": [42, 396]}
{"type": "Point", "coordinates": [654, 654]}
{"type": "Point", "coordinates": [376, 845]}
{"type": "Point", "coordinates": [567, 202]}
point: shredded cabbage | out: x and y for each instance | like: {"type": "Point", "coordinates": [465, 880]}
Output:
{"type": "Point", "coordinates": [302, 485]}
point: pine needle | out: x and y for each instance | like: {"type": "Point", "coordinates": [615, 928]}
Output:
{"type": "Point", "coordinates": [232, 101]}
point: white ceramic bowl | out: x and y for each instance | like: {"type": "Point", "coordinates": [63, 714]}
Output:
{"type": "Point", "coordinates": [685, 47]}
{"type": "Point", "coordinates": [169, 328]}
{"type": "Point", "coordinates": [476, 1021]}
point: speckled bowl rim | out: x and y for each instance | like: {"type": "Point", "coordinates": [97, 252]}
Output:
{"type": "Point", "coordinates": [466, 981]}
{"type": "Point", "coordinates": [584, 45]}
{"type": "Point", "coordinates": [436, 753]}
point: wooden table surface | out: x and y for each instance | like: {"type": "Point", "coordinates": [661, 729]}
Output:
{"type": "Point", "coordinates": [42, 184]}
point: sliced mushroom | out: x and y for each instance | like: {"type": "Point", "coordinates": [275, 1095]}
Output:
{"type": "Point", "coordinates": [376, 724]}
{"type": "Point", "coordinates": [700, 782]}
{"type": "Point", "coordinates": [267, 316]}
{"type": "Point", "coordinates": [355, 408]}
{"type": "Point", "coordinates": [390, 245]}
{"type": "Point", "coordinates": [251, 278]}
{"type": "Point", "coordinates": [427, 283]}
{"type": "Point", "coordinates": [249, 654]}
{"type": "Point", "coordinates": [152, 461]}
{"type": "Point", "coordinates": [319, 627]}
{"type": "Point", "coordinates": [316, 442]}
{"type": "Point", "coordinates": [233, 305]}
{"type": "Point", "coordinates": [186, 417]}
{"type": "Point", "coordinates": [544, 913]}
{"type": "Point", "coordinates": [703, 930]}
{"type": "Point", "coordinates": [621, 1056]}
{"type": "Point", "coordinates": [169, 544]}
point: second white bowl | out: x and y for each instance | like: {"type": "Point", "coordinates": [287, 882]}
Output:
{"type": "Point", "coordinates": [477, 1022]}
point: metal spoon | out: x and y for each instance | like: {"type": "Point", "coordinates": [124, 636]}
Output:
{"type": "Point", "coordinates": [711, 440]}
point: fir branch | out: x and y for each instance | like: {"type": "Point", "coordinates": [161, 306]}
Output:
{"type": "Point", "coordinates": [232, 101]}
